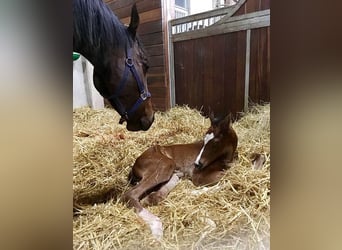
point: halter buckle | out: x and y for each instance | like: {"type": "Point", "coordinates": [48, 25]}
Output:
{"type": "Point", "coordinates": [144, 95]}
{"type": "Point", "coordinates": [129, 62]}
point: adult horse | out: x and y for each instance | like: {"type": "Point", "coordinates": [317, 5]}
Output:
{"type": "Point", "coordinates": [120, 63]}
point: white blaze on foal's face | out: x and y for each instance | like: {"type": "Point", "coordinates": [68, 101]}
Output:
{"type": "Point", "coordinates": [207, 138]}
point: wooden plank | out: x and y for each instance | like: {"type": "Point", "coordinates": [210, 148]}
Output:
{"type": "Point", "coordinates": [148, 16]}
{"type": "Point", "coordinates": [116, 4]}
{"type": "Point", "coordinates": [185, 77]}
{"type": "Point", "coordinates": [218, 100]}
{"type": "Point", "coordinates": [157, 91]}
{"type": "Point", "coordinates": [230, 67]}
{"type": "Point", "coordinates": [156, 79]}
{"type": "Point", "coordinates": [265, 4]}
{"type": "Point", "coordinates": [253, 6]}
{"type": "Point", "coordinates": [241, 24]}
{"type": "Point", "coordinates": [259, 86]}
{"type": "Point", "coordinates": [156, 61]}
{"type": "Point", "coordinates": [156, 70]}
{"type": "Point", "coordinates": [154, 50]}
{"type": "Point", "coordinates": [172, 67]}
{"type": "Point", "coordinates": [142, 6]}
{"type": "Point", "coordinates": [210, 89]}
{"type": "Point", "coordinates": [152, 39]}
{"type": "Point", "coordinates": [150, 27]}
{"type": "Point", "coordinates": [243, 17]}
{"type": "Point", "coordinates": [240, 71]}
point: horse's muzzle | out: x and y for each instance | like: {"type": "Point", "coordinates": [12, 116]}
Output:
{"type": "Point", "coordinates": [146, 122]}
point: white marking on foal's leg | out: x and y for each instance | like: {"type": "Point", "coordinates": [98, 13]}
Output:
{"type": "Point", "coordinates": [203, 190]}
{"type": "Point", "coordinates": [166, 189]}
{"type": "Point", "coordinates": [207, 138]}
{"type": "Point", "coordinates": [154, 223]}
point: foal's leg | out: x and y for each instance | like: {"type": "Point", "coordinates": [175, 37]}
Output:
{"type": "Point", "coordinates": [155, 197]}
{"type": "Point", "coordinates": [148, 182]}
{"type": "Point", "coordinates": [208, 176]}
{"type": "Point", "coordinates": [150, 179]}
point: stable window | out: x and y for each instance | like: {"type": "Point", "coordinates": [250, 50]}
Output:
{"type": "Point", "coordinates": [182, 3]}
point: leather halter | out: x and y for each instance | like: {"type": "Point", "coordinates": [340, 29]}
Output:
{"type": "Point", "coordinates": [144, 93]}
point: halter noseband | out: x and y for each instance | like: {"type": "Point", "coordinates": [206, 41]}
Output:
{"type": "Point", "coordinates": [144, 93]}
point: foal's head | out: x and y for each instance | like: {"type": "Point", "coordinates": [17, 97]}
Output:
{"type": "Point", "coordinates": [219, 141]}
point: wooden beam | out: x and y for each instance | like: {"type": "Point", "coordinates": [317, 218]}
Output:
{"type": "Point", "coordinates": [244, 22]}
{"type": "Point", "coordinates": [228, 11]}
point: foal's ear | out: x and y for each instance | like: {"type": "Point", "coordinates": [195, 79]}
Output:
{"type": "Point", "coordinates": [133, 25]}
{"type": "Point", "coordinates": [211, 116]}
{"type": "Point", "coordinates": [226, 122]}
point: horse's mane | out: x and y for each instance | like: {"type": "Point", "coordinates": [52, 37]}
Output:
{"type": "Point", "coordinates": [96, 25]}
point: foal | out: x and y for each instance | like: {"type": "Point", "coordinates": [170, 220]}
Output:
{"type": "Point", "coordinates": [159, 168]}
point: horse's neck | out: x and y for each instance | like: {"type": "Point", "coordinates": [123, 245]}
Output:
{"type": "Point", "coordinates": [91, 53]}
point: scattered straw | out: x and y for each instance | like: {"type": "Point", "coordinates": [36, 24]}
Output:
{"type": "Point", "coordinates": [233, 214]}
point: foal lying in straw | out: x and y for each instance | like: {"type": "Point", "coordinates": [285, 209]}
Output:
{"type": "Point", "coordinates": [157, 171]}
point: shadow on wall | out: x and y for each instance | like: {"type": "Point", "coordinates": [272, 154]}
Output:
{"type": "Point", "coordinates": [84, 92]}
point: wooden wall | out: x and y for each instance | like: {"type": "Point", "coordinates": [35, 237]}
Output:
{"type": "Point", "coordinates": [259, 79]}
{"type": "Point", "coordinates": [210, 71]}
{"type": "Point", "coordinates": [151, 31]}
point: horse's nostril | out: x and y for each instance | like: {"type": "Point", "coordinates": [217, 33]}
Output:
{"type": "Point", "coordinates": [146, 122]}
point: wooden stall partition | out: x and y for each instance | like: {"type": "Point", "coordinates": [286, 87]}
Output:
{"type": "Point", "coordinates": [221, 59]}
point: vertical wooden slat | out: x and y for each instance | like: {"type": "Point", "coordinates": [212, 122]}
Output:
{"type": "Point", "coordinates": [248, 48]}
{"type": "Point", "coordinates": [240, 72]}
{"type": "Point", "coordinates": [171, 58]}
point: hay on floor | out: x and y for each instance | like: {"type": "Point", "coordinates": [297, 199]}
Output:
{"type": "Point", "coordinates": [232, 214]}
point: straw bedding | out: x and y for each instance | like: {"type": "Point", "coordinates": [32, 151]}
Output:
{"type": "Point", "coordinates": [233, 214]}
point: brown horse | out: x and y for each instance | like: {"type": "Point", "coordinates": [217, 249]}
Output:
{"type": "Point", "coordinates": [119, 60]}
{"type": "Point", "coordinates": [159, 168]}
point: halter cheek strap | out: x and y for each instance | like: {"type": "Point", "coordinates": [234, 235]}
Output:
{"type": "Point", "coordinates": [144, 93]}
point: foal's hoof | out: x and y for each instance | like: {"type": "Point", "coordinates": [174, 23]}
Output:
{"type": "Point", "coordinates": [258, 161]}
{"type": "Point", "coordinates": [154, 223]}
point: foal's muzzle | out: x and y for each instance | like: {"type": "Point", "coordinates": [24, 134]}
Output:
{"type": "Point", "coordinates": [199, 165]}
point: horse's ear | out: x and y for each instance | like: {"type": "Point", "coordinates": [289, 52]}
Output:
{"type": "Point", "coordinates": [133, 25]}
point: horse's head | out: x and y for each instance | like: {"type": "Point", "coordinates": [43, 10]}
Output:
{"type": "Point", "coordinates": [219, 141]}
{"type": "Point", "coordinates": [123, 82]}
